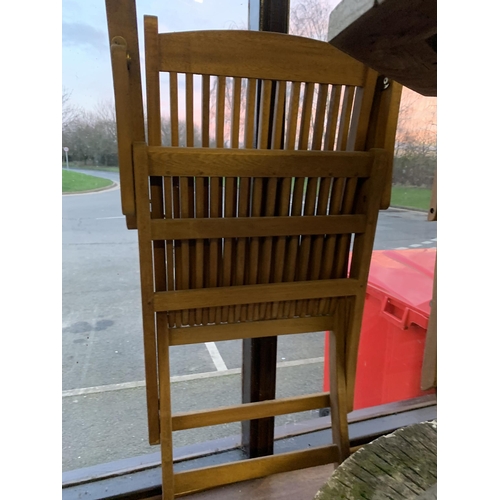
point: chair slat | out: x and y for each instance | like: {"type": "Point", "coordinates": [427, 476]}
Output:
{"type": "Point", "coordinates": [218, 162]}
{"type": "Point", "coordinates": [248, 330]}
{"type": "Point", "coordinates": [210, 477]}
{"type": "Point", "coordinates": [174, 109]}
{"type": "Point", "coordinates": [345, 118]}
{"type": "Point", "coordinates": [332, 117]}
{"type": "Point", "coordinates": [249, 411]}
{"type": "Point", "coordinates": [256, 227]}
{"type": "Point", "coordinates": [189, 111]}
{"type": "Point", "coordinates": [253, 294]}
{"type": "Point", "coordinates": [236, 113]}
{"type": "Point", "coordinates": [205, 110]}
{"type": "Point", "coordinates": [319, 118]}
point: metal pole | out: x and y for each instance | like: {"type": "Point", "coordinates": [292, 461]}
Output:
{"type": "Point", "coordinates": [66, 153]}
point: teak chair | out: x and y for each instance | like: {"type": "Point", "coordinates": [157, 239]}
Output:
{"type": "Point", "coordinates": [262, 226]}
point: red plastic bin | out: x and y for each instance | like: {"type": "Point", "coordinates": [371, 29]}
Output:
{"type": "Point", "coordinates": [394, 327]}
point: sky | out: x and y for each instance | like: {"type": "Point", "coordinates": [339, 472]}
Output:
{"type": "Point", "coordinates": [86, 63]}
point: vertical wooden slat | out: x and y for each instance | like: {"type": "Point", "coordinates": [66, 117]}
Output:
{"type": "Point", "coordinates": [278, 115]}
{"type": "Point", "coordinates": [293, 243]}
{"type": "Point", "coordinates": [203, 186]}
{"type": "Point", "coordinates": [216, 190]}
{"type": "Point", "coordinates": [305, 244]}
{"type": "Point", "coordinates": [283, 190]}
{"type": "Point", "coordinates": [319, 118]}
{"type": "Point", "coordinates": [324, 184]}
{"type": "Point", "coordinates": [179, 253]}
{"type": "Point", "coordinates": [190, 202]}
{"type": "Point", "coordinates": [174, 108]}
{"type": "Point", "coordinates": [243, 210]}
{"type": "Point", "coordinates": [241, 244]}
{"type": "Point", "coordinates": [329, 256]}
{"type": "Point", "coordinates": [205, 111]}
{"type": "Point", "coordinates": [343, 241]}
{"type": "Point", "coordinates": [293, 110]}
{"type": "Point", "coordinates": [253, 257]}
{"type": "Point", "coordinates": [250, 113]}
{"type": "Point", "coordinates": [189, 111]}
{"type": "Point", "coordinates": [231, 193]}
{"type": "Point", "coordinates": [183, 281]}
{"type": "Point", "coordinates": [227, 266]}
{"type": "Point", "coordinates": [345, 118]}
{"type": "Point", "coordinates": [290, 141]}
{"type": "Point", "coordinates": [260, 248]}
{"type": "Point", "coordinates": [201, 211]}
{"type": "Point", "coordinates": [305, 118]}
{"type": "Point", "coordinates": [318, 241]}
{"type": "Point", "coordinates": [332, 117]}
{"type": "Point", "coordinates": [235, 113]}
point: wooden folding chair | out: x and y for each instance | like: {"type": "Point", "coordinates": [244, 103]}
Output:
{"type": "Point", "coordinates": [264, 228]}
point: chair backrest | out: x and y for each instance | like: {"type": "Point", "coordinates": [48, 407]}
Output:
{"type": "Point", "coordinates": [307, 96]}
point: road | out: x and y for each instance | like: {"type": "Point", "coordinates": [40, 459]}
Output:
{"type": "Point", "coordinates": [104, 412]}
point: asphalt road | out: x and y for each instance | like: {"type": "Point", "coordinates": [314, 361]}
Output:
{"type": "Point", "coordinates": [104, 415]}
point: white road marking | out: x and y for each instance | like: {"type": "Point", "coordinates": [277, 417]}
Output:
{"type": "Point", "coordinates": [216, 357]}
{"type": "Point", "coordinates": [434, 239]}
{"type": "Point", "coordinates": [426, 242]}
{"type": "Point", "coordinates": [178, 378]}
{"type": "Point", "coordinates": [401, 248]}
{"type": "Point", "coordinates": [416, 245]}
{"type": "Point", "coordinates": [104, 218]}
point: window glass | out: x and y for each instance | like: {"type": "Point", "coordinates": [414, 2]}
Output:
{"type": "Point", "coordinates": [104, 404]}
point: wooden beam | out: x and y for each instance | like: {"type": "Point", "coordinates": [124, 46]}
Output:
{"type": "Point", "coordinates": [255, 294]}
{"type": "Point", "coordinates": [247, 227]}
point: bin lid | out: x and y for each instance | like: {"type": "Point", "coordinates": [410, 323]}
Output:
{"type": "Point", "coordinates": [405, 275]}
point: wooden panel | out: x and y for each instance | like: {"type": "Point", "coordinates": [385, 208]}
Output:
{"type": "Point", "coordinates": [246, 227]}
{"type": "Point", "coordinates": [249, 411]}
{"type": "Point", "coordinates": [397, 39]}
{"type": "Point", "coordinates": [253, 294]}
{"type": "Point", "coordinates": [247, 330]}
{"type": "Point", "coordinates": [192, 52]}
{"type": "Point", "coordinates": [210, 477]}
{"type": "Point", "coordinates": [216, 162]}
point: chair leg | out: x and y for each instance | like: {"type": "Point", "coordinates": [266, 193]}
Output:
{"type": "Point", "coordinates": [167, 463]}
{"type": "Point", "coordinates": [338, 392]}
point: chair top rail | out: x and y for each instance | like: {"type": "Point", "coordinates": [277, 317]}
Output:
{"type": "Point", "coordinates": [233, 53]}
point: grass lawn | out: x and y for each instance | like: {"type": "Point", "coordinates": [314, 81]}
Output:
{"type": "Point", "coordinates": [411, 197]}
{"type": "Point", "coordinates": [73, 182]}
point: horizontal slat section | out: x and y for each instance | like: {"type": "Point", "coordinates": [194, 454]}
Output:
{"type": "Point", "coordinates": [246, 227]}
{"type": "Point", "coordinates": [254, 294]}
{"type": "Point", "coordinates": [239, 54]}
{"type": "Point", "coordinates": [250, 411]}
{"type": "Point", "coordinates": [248, 330]}
{"type": "Point", "coordinates": [218, 162]}
{"type": "Point", "coordinates": [210, 477]}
